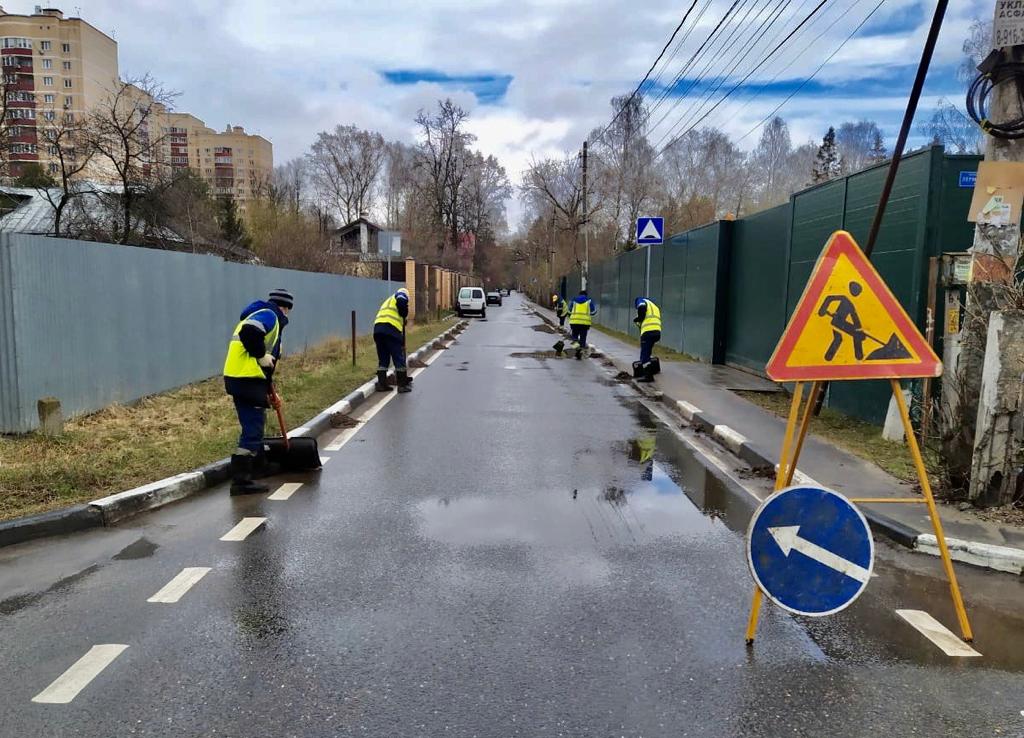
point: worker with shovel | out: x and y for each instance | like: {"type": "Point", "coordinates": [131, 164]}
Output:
{"type": "Point", "coordinates": [389, 337]}
{"type": "Point", "coordinates": [253, 352]}
{"type": "Point", "coordinates": [846, 321]}
{"type": "Point", "coordinates": [561, 309]}
{"type": "Point", "coordinates": [648, 319]}
{"type": "Point", "coordinates": [581, 317]}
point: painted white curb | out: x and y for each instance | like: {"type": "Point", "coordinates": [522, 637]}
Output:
{"type": "Point", "coordinates": [1000, 558]}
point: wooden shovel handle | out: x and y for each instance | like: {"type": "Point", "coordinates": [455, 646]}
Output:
{"type": "Point", "coordinates": [275, 402]}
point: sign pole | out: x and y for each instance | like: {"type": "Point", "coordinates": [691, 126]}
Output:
{"type": "Point", "coordinates": [647, 276]}
{"type": "Point", "coordinates": [926, 490]}
{"type": "Point", "coordinates": [782, 477]}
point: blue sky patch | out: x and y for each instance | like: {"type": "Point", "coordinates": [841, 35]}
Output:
{"type": "Point", "coordinates": [488, 88]}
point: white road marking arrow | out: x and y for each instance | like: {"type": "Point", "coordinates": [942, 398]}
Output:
{"type": "Point", "coordinates": [788, 539]}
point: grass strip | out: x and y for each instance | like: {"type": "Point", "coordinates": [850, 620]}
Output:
{"type": "Point", "coordinates": [660, 350]}
{"type": "Point", "coordinates": [124, 446]}
{"type": "Point", "coordinates": [856, 436]}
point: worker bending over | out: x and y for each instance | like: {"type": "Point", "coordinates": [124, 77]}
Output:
{"type": "Point", "coordinates": [252, 356]}
{"type": "Point", "coordinates": [581, 317]}
{"type": "Point", "coordinates": [561, 308]}
{"type": "Point", "coordinates": [648, 318]}
{"type": "Point", "coordinates": [389, 336]}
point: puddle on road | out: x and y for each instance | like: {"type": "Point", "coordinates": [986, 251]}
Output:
{"type": "Point", "coordinates": [140, 549]}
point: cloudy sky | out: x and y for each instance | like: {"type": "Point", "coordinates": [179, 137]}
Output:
{"type": "Point", "coordinates": [535, 74]}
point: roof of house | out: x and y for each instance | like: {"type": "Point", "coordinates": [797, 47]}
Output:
{"type": "Point", "coordinates": [351, 227]}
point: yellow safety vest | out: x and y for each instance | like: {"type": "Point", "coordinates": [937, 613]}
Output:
{"type": "Point", "coordinates": [580, 314]}
{"type": "Point", "coordinates": [652, 318]}
{"type": "Point", "coordinates": [238, 362]}
{"type": "Point", "coordinates": [388, 314]}
{"type": "Point", "coordinates": [563, 308]}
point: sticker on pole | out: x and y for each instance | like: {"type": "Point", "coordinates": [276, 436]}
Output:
{"type": "Point", "coordinates": [650, 231]}
{"type": "Point", "coordinates": [810, 550]}
{"type": "Point", "coordinates": [848, 325]}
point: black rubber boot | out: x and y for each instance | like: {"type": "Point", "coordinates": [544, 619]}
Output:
{"type": "Point", "coordinates": [403, 381]}
{"type": "Point", "coordinates": [382, 381]}
{"type": "Point", "coordinates": [241, 476]}
{"type": "Point", "coordinates": [579, 354]}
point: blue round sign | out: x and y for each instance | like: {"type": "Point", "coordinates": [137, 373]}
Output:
{"type": "Point", "coordinates": [810, 550]}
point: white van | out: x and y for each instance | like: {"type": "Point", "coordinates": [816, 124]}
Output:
{"type": "Point", "coordinates": [472, 300]}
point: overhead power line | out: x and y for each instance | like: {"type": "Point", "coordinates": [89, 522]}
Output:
{"type": "Point", "coordinates": [813, 74]}
{"type": "Point", "coordinates": [749, 74]}
{"type": "Point", "coordinates": [646, 76]}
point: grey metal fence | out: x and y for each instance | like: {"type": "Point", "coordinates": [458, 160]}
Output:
{"type": "Point", "coordinates": [93, 324]}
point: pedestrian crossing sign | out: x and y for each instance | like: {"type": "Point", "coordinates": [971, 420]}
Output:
{"type": "Point", "coordinates": [650, 231]}
{"type": "Point", "coordinates": [848, 325]}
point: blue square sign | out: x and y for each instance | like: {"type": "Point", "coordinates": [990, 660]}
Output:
{"type": "Point", "coordinates": [650, 231]}
{"type": "Point", "coordinates": [967, 179]}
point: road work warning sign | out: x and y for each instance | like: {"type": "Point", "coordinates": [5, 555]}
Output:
{"type": "Point", "coordinates": [848, 325]}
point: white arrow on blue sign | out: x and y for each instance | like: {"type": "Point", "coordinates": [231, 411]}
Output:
{"type": "Point", "coordinates": [810, 550]}
{"type": "Point", "coordinates": [650, 231]}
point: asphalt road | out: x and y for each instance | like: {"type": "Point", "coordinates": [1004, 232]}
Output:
{"type": "Point", "coordinates": [492, 555]}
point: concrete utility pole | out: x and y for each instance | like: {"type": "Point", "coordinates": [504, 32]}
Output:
{"type": "Point", "coordinates": [586, 223]}
{"type": "Point", "coordinates": [990, 439]}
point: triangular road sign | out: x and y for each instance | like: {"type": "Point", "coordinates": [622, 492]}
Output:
{"type": "Point", "coordinates": [848, 325]}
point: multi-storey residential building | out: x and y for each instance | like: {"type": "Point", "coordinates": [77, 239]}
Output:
{"type": "Point", "coordinates": [232, 163]}
{"type": "Point", "coordinates": [52, 66]}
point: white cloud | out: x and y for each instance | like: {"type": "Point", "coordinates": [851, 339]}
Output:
{"type": "Point", "coordinates": [288, 70]}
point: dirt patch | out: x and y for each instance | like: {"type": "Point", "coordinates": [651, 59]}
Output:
{"type": "Point", "coordinates": [341, 420]}
{"type": "Point", "coordinates": [416, 364]}
{"type": "Point", "coordinates": [624, 376]}
{"type": "Point", "coordinates": [539, 355]}
{"type": "Point", "coordinates": [543, 328]}
{"type": "Point", "coordinates": [1007, 515]}
{"type": "Point", "coordinates": [608, 363]}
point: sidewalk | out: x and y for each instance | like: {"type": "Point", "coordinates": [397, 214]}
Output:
{"type": "Point", "coordinates": [756, 436]}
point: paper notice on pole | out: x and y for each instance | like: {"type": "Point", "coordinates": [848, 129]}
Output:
{"type": "Point", "coordinates": [996, 212]}
{"type": "Point", "coordinates": [1008, 25]}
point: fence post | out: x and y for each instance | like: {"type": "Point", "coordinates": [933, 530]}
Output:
{"type": "Point", "coordinates": [353, 338]}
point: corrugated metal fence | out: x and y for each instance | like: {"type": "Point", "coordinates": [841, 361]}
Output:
{"type": "Point", "coordinates": [727, 289]}
{"type": "Point", "coordinates": [94, 324]}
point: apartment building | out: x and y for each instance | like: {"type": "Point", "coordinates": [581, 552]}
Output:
{"type": "Point", "coordinates": [52, 66]}
{"type": "Point", "coordinates": [232, 162]}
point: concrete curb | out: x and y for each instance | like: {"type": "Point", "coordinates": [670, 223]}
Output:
{"type": "Point", "coordinates": [999, 558]}
{"type": "Point", "coordinates": [115, 508]}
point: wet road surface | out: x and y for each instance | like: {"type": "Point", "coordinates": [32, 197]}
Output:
{"type": "Point", "coordinates": [518, 548]}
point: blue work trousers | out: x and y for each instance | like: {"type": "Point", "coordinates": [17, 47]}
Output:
{"type": "Point", "coordinates": [579, 334]}
{"type": "Point", "coordinates": [252, 419]}
{"type": "Point", "coordinates": [647, 341]}
{"type": "Point", "coordinates": [389, 349]}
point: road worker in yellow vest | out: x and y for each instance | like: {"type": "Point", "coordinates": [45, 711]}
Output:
{"type": "Point", "coordinates": [389, 337]}
{"type": "Point", "coordinates": [249, 367]}
{"type": "Point", "coordinates": [561, 308]}
{"type": "Point", "coordinates": [581, 317]}
{"type": "Point", "coordinates": [648, 318]}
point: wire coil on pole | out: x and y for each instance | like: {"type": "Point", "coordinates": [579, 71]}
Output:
{"type": "Point", "coordinates": [996, 70]}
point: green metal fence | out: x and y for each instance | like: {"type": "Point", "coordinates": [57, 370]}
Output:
{"type": "Point", "coordinates": [727, 289]}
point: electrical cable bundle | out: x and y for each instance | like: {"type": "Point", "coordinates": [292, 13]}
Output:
{"type": "Point", "coordinates": [996, 70]}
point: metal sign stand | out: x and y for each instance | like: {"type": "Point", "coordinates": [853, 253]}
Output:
{"type": "Point", "coordinates": [800, 413]}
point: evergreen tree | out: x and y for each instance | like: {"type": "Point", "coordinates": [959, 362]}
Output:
{"type": "Point", "coordinates": [232, 229]}
{"type": "Point", "coordinates": [878, 150]}
{"type": "Point", "coordinates": [826, 163]}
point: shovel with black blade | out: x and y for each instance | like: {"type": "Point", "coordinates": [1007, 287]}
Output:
{"type": "Point", "coordinates": [299, 454]}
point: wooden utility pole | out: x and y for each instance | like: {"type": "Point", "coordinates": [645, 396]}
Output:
{"type": "Point", "coordinates": [986, 413]}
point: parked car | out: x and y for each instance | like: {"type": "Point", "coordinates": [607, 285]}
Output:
{"type": "Point", "coordinates": [494, 298]}
{"type": "Point", "coordinates": [472, 300]}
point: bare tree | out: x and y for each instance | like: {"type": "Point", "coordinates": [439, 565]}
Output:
{"type": "Point", "coordinates": [397, 182]}
{"type": "Point", "coordinates": [855, 142]}
{"type": "Point", "coordinates": [125, 133]}
{"type": "Point", "coordinates": [287, 184]}
{"type": "Point", "coordinates": [68, 145]}
{"type": "Point", "coordinates": [705, 165]}
{"type": "Point", "coordinates": [770, 160]}
{"type": "Point", "coordinates": [345, 164]}
{"type": "Point", "coordinates": [442, 159]}
{"type": "Point", "coordinates": [953, 129]}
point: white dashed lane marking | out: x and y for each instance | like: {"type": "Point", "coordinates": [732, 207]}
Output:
{"type": "Point", "coordinates": [175, 589]}
{"type": "Point", "coordinates": [241, 531]}
{"type": "Point", "coordinates": [67, 686]}
{"type": "Point", "coordinates": [937, 633]}
{"type": "Point", "coordinates": [285, 491]}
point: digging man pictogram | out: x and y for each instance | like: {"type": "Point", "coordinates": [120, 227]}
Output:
{"type": "Point", "coordinates": [846, 322]}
